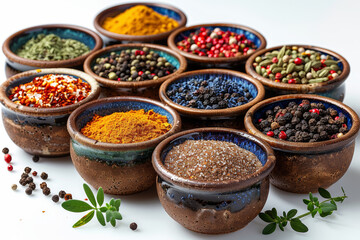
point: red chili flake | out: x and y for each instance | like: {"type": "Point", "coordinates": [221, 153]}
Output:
{"type": "Point", "coordinates": [314, 110]}
{"type": "Point", "coordinates": [86, 199]}
{"type": "Point", "coordinates": [344, 125]}
{"type": "Point", "coordinates": [52, 90]}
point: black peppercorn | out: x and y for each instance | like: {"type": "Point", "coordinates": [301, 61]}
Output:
{"type": "Point", "coordinates": [28, 191]}
{"type": "Point", "coordinates": [35, 158]}
{"type": "Point", "coordinates": [46, 191]}
{"type": "Point", "coordinates": [68, 196]}
{"type": "Point", "coordinates": [24, 175]}
{"type": "Point", "coordinates": [5, 150]}
{"type": "Point", "coordinates": [29, 180]}
{"type": "Point", "coordinates": [22, 182]}
{"type": "Point", "coordinates": [43, 185]}
{"type": "Point", "coordinates": [44, 175]}
{"type": "Point", "coordinates": [62, 194]}
{"type": "Point", "coordinates": [32, 185]}
{"type": "Point", "coordinates": [27, 169]}
{"type": "Point", "coordinates": [55, 198]}
{"type": "Point", "coordinates": [133, 226]}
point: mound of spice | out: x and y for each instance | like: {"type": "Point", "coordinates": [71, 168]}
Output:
{"type": "Point", "coordinates": [211, 93]}
{"type": "Point", "coordinates": [50, 47]}
{"type": "Point", "coordinates": [217, 43]}
{"type": "Point", "coordinates": [52, 90]}
{"type": "Point", "coordinates": [211, 160]}
{"type": "Point", "coordinates": [297, 65]}
{"type": "Point", "coordinates": [133, 65]}
{"type": "Point", "coordinates": [304, 122]}
{"type": "Point", "coordinates": [139, 20]}
{"type": "Point", "coordinates": [127, 127]}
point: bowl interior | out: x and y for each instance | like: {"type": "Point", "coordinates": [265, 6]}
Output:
{"type": "Point", "coordinates": [209, 77]}
{"type": "Point", "coordinates": [67, 33]}
{"type": "Point", "coordinates": [239, 140]}
{"type": "Point", "coordinates": [249, 35]}
{"type": "Point", "coordinates": [260, 113]}
{"type": "Point", "coordinates": [110, 107]}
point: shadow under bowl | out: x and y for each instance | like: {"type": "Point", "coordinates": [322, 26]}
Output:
{"type": "Point", "coordinates": [333, 88]}
{"type": "Point", "coordinates": [303, 167]}
{"type": "Point", "coordinates": [41, 131]}
{"type": "Point", "coordinates": [117, 168]}
{"type": "Point", "coordinates": [214, 207]}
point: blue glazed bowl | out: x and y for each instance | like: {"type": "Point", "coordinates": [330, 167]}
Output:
{"type": "Point", "coordinates": [164, 9]}
{"type": "Point", "coordinates": [117, 168]}
{"type": "Point", "coordinates": [148, 88]}
{"type": "Point", "coordinates": [214, 207]}
{"type": "Point", "coordinates": [18, 39]}
{"type": "Point", "coordinates": [220, 62]}
{"type": "Point", "coordinates": [41, 131]}
{"type": "Point", "coordinates": [333, 88]}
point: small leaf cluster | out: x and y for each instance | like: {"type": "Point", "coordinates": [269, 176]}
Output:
{"type": "Point", "coordinates": [110, 209]}
{"type": "Point", "coordinates": [324, 208]}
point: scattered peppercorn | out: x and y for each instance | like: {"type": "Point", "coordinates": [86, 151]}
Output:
{"type": "Point", "coordinates": [133, 226]}
{"type": "Point", "coordinates": [32, 185]}
{"type": "Point", "coordinates": [44, 175]}
{"type": "Point", "coordinates": [55, 198]}
{"type": "Point", "coordinates": [35, 158]}
{"type": "Point", "coordinates": [216, 43]}
{"type": "Point", "coordinates": [29, 180]}
{"type": "Point", "coordinates": [62, 194]}
{"type": "Point", "coordinates": [14, 187]}
{"type": "Point", "coordinates": [10, 168]}
{"type": "Point", "coordinates": [24, 175]}
{"type": "Point", "coordinates": [43, 185]}
{"type": "Point", "coordinates": [68, 196]}
{"type": "Point", "coordinates": [46, 191]}
{"type": "Point", "coordinates": [28, 191]}
{"type": "Point", "coordinates": [23, 182]}
{"type": "Point", "coordinates": [133, 65]}
{"type": "Point", "coordinates": [5, 150]}
{"type": "Point", "coordinates": [27, 170]}
{"type": "Point", "coordinates": [34, 173]}
{"type": "Point", "coordinates": [7, 158]}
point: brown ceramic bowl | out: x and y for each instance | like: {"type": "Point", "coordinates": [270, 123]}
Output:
{"type": "Point", "coordinates": [214, 207]}
{"type": "Point", "coordinates": [304, 167]}
{"type": "Point", "coordinates": [18, 39]}
{"type": "Point", "coordinates": [41, 131]}
{"type": "Point", "coordinates": [219, 62]}
{"type": "Point", "coordinates": [148, 88]}
{"type": "Point", "coordinates": [228, 117]}
{"type": "Point", "coordinates": [117, 168]}
{"type": "Point", "coordinates": [334, 89]}
{"type": "Point", "coordinates": [161, 8]}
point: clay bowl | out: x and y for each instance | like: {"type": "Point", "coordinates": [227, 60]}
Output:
{"type": "Point", "coordinates": [228, 117]}
{"type": "Point", "coordinates": [149, 88]}
{"type": "Point", "coordinates": [334, 88]}
{"type": "Point", "coordinates": [117, 168]}
{"type": "Point", "coordinates": [164, 9]}
{"type": "Point", "coordinates": [214, 207]}
{"type": "Point", "coordinates": [41, 131]}
{"type": "Point", "coordinates": [18, 39]}
{"type": "Point", "coordinates": [304, 167]}
{"type": "Point", "coordinates": [196, 61]}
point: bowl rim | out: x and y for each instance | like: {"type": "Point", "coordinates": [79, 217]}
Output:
{"type": "Point", "coordinates": [299, 88]}
{"type": "Point", "coordinates": [7, 103]}
{"type": "Point", "coordinates": [123, 84]}
{"type": "Point", "coordinates": [226, 112]}
{"type": "Point", "coordinates": [138, 38]}
{"type": "Point", "coordinates": [76, 135]}
{"type": "Point", "coordinates": [227, 185]}
{"type": "Point", "coordinates": [204, 59]}
{"type": "Point", "coordinates": [11, 56]}
{"type": "Point", "coordinates": [303, 147]}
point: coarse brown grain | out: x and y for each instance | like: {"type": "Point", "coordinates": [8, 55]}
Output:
{"type": "Point", "coordinates": [211, 160]}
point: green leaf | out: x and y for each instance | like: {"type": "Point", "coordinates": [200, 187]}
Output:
{"type": "Point", "coordinates": [310, 206]}
{"type": "Point", "coordinates": [291, 213]}
{"type": "Point", "coordinates": [313, 213]}
{"type": "Point", "coordinates": [281, 227]}
{"type": "Point", "coordinates": [284, 214]}
{"type": "Point", "coordinates": [338, 199]}
{"type": "Point", "coordinates": [311, 197]}
{"type": "Point", "coordinates": [84, 220]}
{"type": "Point", "coordinates": [76, 206]}
{"type": "Point", "coordinates": [100, 218]}
{"type": "Point", "coordinates": [103, 209]}
{"type": "Point", "coordinates": [112, 202]}
{"type": "Point", "coordinates": [89, 194]}
{"type": "Point", "coordinates": [297, 225]}
{"type": "Point", "coordinates": [100, 196]}
{"type": "Point", "coordinates": [274, 212]}
{"type": "Point", "coordinates": [327, 207]}
{"type": "Point", "coordinates": [117, 215]}
{"type": "Point", "coordinates": [270, 228]}
{"type": "Point", "coordinates": [306, 201]}
{"type": "Point", "coordinates": [108, 215]}
{"type": "Point", "coordinates": [117, 204]}
{"type": "Point", "coordinates": [113, 222]}
{"type": "Point", "coordinates": [269, 212]}
{"type": "Point", "coordinates": [324, 193]}
{"type": "Point", "coordinates": [266, 217]}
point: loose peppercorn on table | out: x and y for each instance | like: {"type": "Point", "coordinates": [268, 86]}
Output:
{"type": "Point", "coordinates": [34, 211]}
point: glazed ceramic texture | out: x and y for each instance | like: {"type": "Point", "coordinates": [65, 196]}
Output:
{"type": "Point", "coordinates": [18, 39]}
{"type": "Point", "coordinates": [111, 38]}
{"type": "Point", "coordinates": [117, 168]}
{"type": "Point", "coordinates": [228, 117]}
{"type": "Point", "coordinates": [208, 206]}
{"type": "Point", "coordinates": [304, 167]}
{"type": "Point", "coordinates": [148, 88]}
{"type": "Point", "coordinates": [40, 131]}
{"type": "Point", "coordinates": [333, 88]}
{"type": "Point", "coordinates": [198, 62]}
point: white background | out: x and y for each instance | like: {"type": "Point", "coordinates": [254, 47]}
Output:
{"type": "Point", "coordinates": [327, 23]}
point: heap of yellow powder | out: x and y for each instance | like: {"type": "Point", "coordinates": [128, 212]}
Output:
{"type": "Point", "coordinates": [139, 20]}
{"type": "Point", "coordinates": [127, 127]}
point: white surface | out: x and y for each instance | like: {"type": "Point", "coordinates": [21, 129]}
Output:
{"type": "Point", "coordinates": [330, 24]}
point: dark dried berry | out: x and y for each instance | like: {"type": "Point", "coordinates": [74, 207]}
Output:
{"type": "Point", "coordinates": [133, 226]}
{"type": "Point", "coordinates": [22, 182]}
{"type": "Point", "coordinates": [62, 194]}
{"type": "Point", "coordinates": [55, 198]}
{"type": "Point", "coordinates": [32, 185]}
{"type": "Point", "coordinates": [5, 150]}
{"type": "Point", "coordinates": [34, 173]}
{"type": "Point", "coordinates": [24, 175]}
{"type": "Point", "coordinates": [46, 191]}
{"type": "Point", "coordinates": [35, 158]}
{"type": "Point", "coordinates": [29, 180]}
{"type": "Point", "coordinates": [28, 191]}
{"type": "Point", "coordinates": [44, 175]}
{"type": "Point", "coordinates": [27, 170]}
{"type": "Point", "coordinates": [43, 185]}
{"type": "Point", "coordinates": [68, 196]}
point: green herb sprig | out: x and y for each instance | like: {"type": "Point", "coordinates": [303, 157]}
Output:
{"type": "Point", "coordinates": [324, 208]}
{"type": "Point", "coordinates": [110, 209]}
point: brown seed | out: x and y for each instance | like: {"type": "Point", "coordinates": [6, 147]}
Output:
{"type": "Point", "coordinates": [34, 173]}
{"type": "Point", "coordinates": [44, 175]}
{"type": "Point", "coordinates": [43, 185]}
{"type": "Point", "coordinates": [133, 226]}
{"type": "Point", "coordinates": [24, 175]}
{"type": "Point", "coordinates": [14, 187]}
{"type": "Point", "coordinates": [35, 158]}
{"type": "Point", "coordinates": [62, 194]}
{"type": "Point", "coordinates": [29, 180]}
{"type": "Point", "coordinates": [22, 181]}
{"type": "Point", "coordinates": [55, 198]}
{"type": "Point", "coordinates": [68, 196]}
{"type": "Point", "coordinates": [46, 191]}
{"type": "Point", "coordinates": [28, 191]}
{"type": "Point", "coordinates": [5, 150]}
{"type": "Point", "coordinates": [27, 170]}
{"type": "Point", "coordinates": [32, 185]}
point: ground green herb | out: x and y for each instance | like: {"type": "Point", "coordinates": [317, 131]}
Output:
{"type": "Point", "coordinates": [51, 47]}
{"type": "Point", "coordinates": [324, 208]}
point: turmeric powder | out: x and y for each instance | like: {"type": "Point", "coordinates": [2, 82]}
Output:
{"type": "Point", "coordinates": [127, 127]}
{"type": "Point", "coordinates": [139, 20]}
